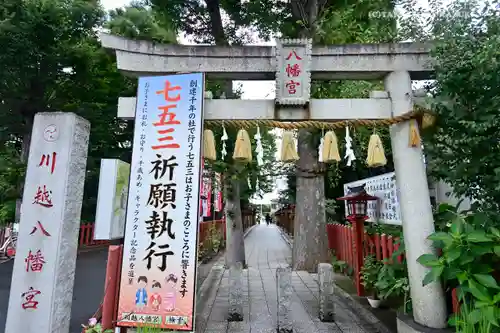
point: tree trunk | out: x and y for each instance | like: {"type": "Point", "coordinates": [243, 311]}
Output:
{"type": "Point", "coordinates": [216, 27]}
{"type": "Point", "coordinates": [310, 241]}
{"type": "Point", "coordinates": [25, 150]}
{"type": "Point", "coordinates": [235, 243]}
{"type": "Point", "coordinates": [25, 147]}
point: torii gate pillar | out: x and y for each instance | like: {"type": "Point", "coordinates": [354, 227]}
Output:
{"type": "Point", "coordinates": [429, 306]}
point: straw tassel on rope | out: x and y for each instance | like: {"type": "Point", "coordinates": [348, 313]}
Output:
{"type": "Point", "coordinates": [288, 150]}
{"type": "Point", "coordinates": [414, 135]}
{"type": "Point", "coordinates": [428, 120]}
{"type": "Point", "coordinates": [209, 145]}
{"type": "Point", "coordinates": [243, 147]}
{"type": "Point", "coordinates": [376, 155]}
{"type": "Point", "coordinates": [330, 151]}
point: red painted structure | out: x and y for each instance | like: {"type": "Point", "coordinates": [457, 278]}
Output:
{"type": "Point", "coordinates": [86, 236]}
{"type": "Point", "coordinates": [111, 286]}
{"type": "Point", "coordinates": [382, 246]}
{"type": "Point", "coordinates": [107, 311]}
{"type": "Point", "coordinates": [357, 203]}
{"type": "Point", "coordinates": [341, 237]}
{"type": "Point", "coordinates": [204, 230]}
{"type": "Point", "coordinates": [86, 233]}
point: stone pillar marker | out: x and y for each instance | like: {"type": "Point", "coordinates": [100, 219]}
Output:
{"type": "Point", "coordinates": [326, 290]}
{"type": "Point", "coordinates": [284, 289]}
{"type": "Point", "coordinates": [44, 268]}
{"type": "Point", "coordinates": [235, 292]}
{"type": "Point", "coordinates": [429, 306]}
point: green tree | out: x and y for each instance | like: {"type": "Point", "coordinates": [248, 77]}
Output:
{"type": "Point", "coordinates": [11, 174]}
{"type": "Point", "coordinates": [463, 149]}
{"type": "Point", "coordinates": [203, 23]}
{"type": "Point", "coordinates": [40, 40]}
{"type": "Point", "coordinates": [291, 19]}
{"type": "Point", "coordinates": [329, 23]}
{"type": "Point", "coordinates": [93, 92]}
{"type": "Point", "coordinates": [52, 61]}
{"type": "Point", "coordinates": [139, 22]}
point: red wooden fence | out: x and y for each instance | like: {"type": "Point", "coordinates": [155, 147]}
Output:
{"type": "Point", "coordinates": [285, 218]}
{"type": "Point", "coordinates": [86, 234]}
{"type": "Point", "coordinates": [204, 231]}
{"type": "Point", "coordinates": [341, 238]}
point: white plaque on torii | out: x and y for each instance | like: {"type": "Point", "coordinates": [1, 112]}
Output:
{"type": "Point", "coordinates": [293, 71]}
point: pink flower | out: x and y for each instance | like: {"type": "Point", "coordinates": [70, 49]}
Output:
{"type": "Point", "coordinates": [92, 322]}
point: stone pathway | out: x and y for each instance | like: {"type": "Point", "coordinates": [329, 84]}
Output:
{"type": "Point", "coordinates": [266, 250]}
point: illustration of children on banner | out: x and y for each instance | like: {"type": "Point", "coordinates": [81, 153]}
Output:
{"type": "Point", "coordinates": [141, 296]}
{"type": "Point", "coordinates": [171, 294]}
{"type": "Point", "coordinates": [155, 299]}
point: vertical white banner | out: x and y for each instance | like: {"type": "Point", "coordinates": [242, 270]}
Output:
{"type": "Point", "coordinates": [112, 199]}
{"type": "Point", "coordinates": [157, 284]}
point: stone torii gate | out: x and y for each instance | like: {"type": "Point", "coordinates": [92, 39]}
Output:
{"type": "Point", "coordinates": [396, 64]}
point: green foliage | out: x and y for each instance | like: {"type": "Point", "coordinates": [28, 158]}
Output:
{"type": "Point", "coordinates": [339, 266]}
{"type": "Point", "coordinates": [342, 23]}
{"type": "Point", "coordinates": [463, 149]}
{"type": "Point", "coordinates": [11, 174]}
{"type": "Point", "coordinates": [470, 320]}
{"type": "Point", "coordinates": [444, 214]}
{"type": "Point", "coordinates": [369, 274]}
{"type": "Point", "coordinates": [215, 240]}
{"type": "Point", "coordinates": [470, 252]}
{"type": "Point", "coordinates": [149, 328]}
{"type": "Point", "coordinates": [392, 280]}
{"type": "Point", "coordinates": [40, 40]}
{"type": "Point", "coordinates": [379, 228]}
{"type": "Point", "coordinates": [354, 22]}
{"type": "Point", "coordinates": [264, 174]}
{"type": "Point", "coordinates": [202, 22]}
{"type": "Point", "coordinates": [52, 61]}
{"type": "Point", "coordinates": [139, 22]}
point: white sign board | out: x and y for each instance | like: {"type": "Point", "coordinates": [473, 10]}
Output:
{"type": "Point", "coordinates": [158, 280]}
{"type": "Point", "coordinates": [41, 291]}
{"type": "Point", "coordinates": [386, 209]}
{"type": "Point", "coordinates": [112, 199]}
{"type": "Point", "coordinates": [293, 76]}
